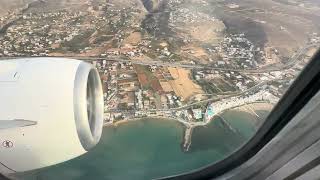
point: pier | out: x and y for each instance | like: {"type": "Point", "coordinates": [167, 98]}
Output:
{"type": "Point", "coordinates": [248, 106]}
{"type": "Point", "coordinates": [187, 138]}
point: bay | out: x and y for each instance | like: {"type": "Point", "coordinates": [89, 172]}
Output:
{"type": "Point", "coordinates": [152, 148]}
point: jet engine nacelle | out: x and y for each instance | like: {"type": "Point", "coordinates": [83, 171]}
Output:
{"type": "Point", "coordinates": [51, 110]}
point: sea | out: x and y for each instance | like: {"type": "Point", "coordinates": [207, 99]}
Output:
{"type": "Point", "coordinates": [152, 148]}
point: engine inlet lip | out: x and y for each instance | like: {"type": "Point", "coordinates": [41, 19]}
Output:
{"type": "Point", "coordinates": [88, 105]}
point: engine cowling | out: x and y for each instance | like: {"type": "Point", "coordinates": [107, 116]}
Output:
{"type": "Point", "coordinates": [51, 110]}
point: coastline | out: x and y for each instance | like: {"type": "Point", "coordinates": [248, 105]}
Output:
{"type": "Point", "coordinates": [250, 108]}
{"type": "Point", "coordinates": [125, 121]}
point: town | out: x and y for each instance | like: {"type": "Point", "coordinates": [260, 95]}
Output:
{"type": "Point", "coordinates": [191, 96]}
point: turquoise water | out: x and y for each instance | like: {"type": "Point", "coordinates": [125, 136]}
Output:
{"type": "Point", "coordinates": [152, 148]}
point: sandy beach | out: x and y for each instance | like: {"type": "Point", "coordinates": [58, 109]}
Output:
{"type": "Point", "coordinates": [257, 106]}
{"type": "Point", "coordinates": [248, 108]}
{"type": "Point", "coordinates": [254, 109]}
{"type": "Point", "coordinates": [117, 123]}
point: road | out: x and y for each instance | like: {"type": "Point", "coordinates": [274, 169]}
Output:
{"type": "Point", "coordinates": [195, 103]}
{"type": "Point", "coordinates": [291, 63]}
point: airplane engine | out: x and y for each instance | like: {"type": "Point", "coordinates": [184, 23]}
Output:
{"type": "Point", "coordinates": [51, 110]}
